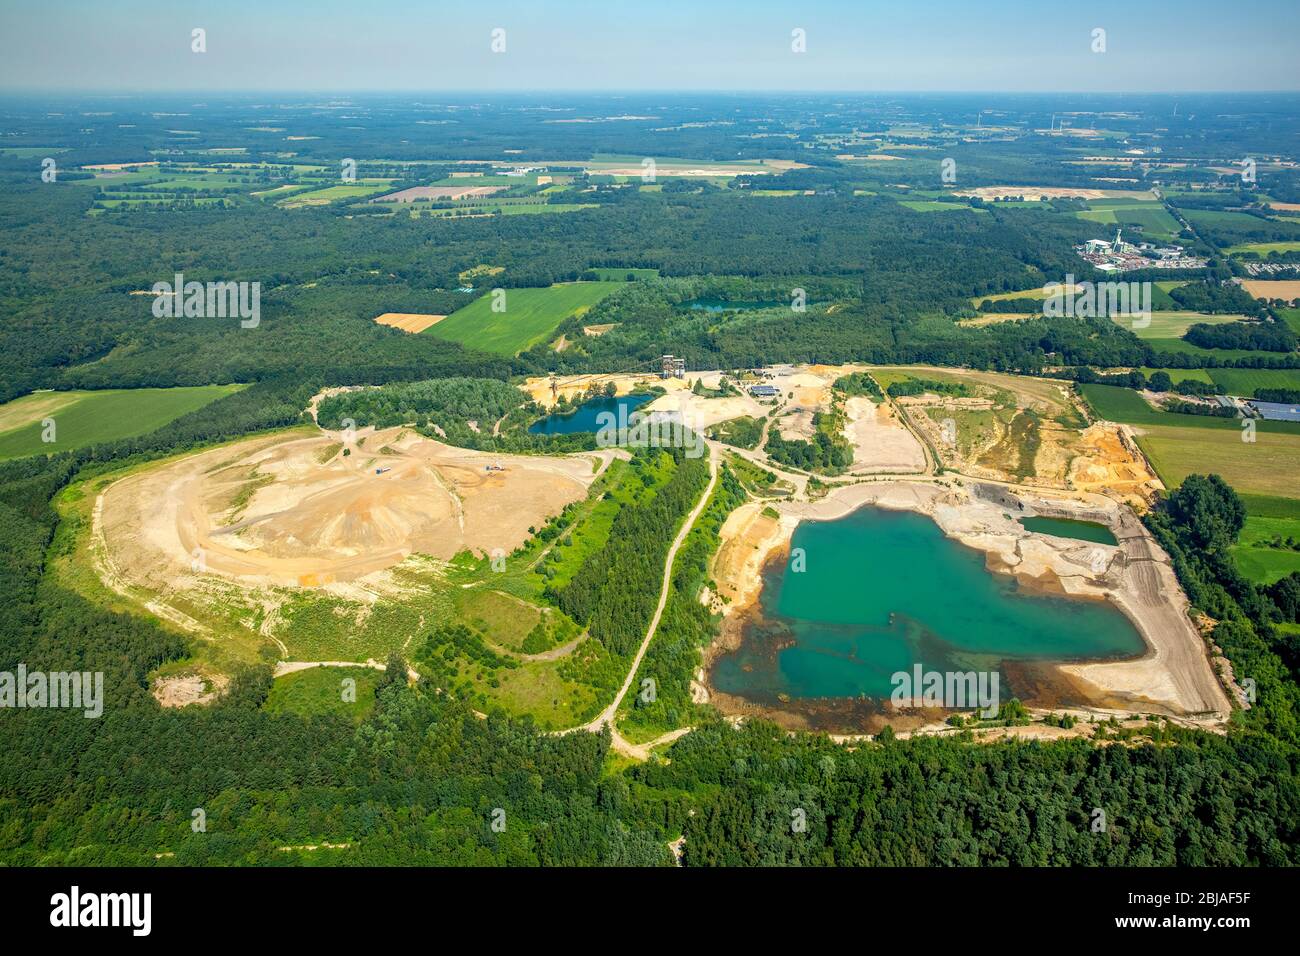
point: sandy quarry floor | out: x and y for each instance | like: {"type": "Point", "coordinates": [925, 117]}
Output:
{"type": "Point", "coordinates": [292, 510]}
{"type": "Point", "coordinates": [1174, 676]}
{"type": "Point", "coordinates": [699, 412]}
{"type": "Point", "coordinates": [746, 539]}
{"type": "Point", "coordinates": [409, 321]}
{"type": "Point", "coordinates": [1109, 463]}
{"type": "Point", "coordinates": [1093, 458]}
{"type": "Point", "coordinates": [881, 443]}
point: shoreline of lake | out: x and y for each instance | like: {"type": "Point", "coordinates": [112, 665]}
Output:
{"type": "Point", "coordinates": [1171, 674]}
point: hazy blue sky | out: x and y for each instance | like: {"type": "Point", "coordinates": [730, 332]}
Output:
{"type": "Point", "coordinates": [353, 46]}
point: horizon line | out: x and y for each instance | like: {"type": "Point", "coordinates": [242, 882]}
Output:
{"type": "Point", "coordinates": [621, 92]}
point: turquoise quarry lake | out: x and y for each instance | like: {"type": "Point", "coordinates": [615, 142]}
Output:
{"type": "Point", "coordinates": [885, 590]}
{"type": "Point", "coordinates": [586, 417]}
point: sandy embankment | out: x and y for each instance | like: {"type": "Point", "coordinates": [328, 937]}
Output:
{"type": "Point", "coordinates": [749, 537]}
{"type": "Point", "coordinates": [1173, 676]}
{"type": "Point", "coordinates": [576, 386]}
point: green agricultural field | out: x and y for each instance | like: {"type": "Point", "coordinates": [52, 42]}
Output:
{"type": "Point", "coordinates": [1171, 325]}
{"type": "Point", "coordinates": [149, 175]}
{"type": "Point", "coordinates": [1291, 317]}
{"type": "Point", "coordinates": [1182, 347]}
{"type": "Point", "coordinates": [1181, 374]}
{"type": "Point", "coordinates": [86, 418]}
{"type": "Point", "coordinates": [530, 315]}
{"type": "Point", "coordinates": [1244, 381]}
{"type": "Point", "coordinates": [1161, 299]}
{"type": "Point", "coordinates": [1266, 506]}
{"type": "Point", "coordinates": [1238, 228]}
{"type": "Point", "coordinates": [1115, 404]}
{"type": "Point", "coordinates": [1209, 218]}
{"type": "Point", "coordinates": [1263, 248]}
{"type": "Point", "coordinates": [212, 182]}
{"type": "Point", "coordinates": [320, 197]}
{"type": "Point", "coordinates": [1036, 293]}
{"type": "Point", "coordinates": [322, 690]}
{"type": "Point", "coordinates": [1154, 220]}
{"type": "Point", "coordinates": [1263, 467]}
{"type": "Point", "coordinates": [282, 190]}
{"type": "Point", "coordinates": [1181, 445]}
{"type": "Point", "coordinates": [1266, 549]}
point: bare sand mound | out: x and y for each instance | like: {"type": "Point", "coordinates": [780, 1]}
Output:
{"type": "Point", "coordinates": [184, 689]}
{"type": "Point", "coordinates": [1110, 464]}
{"type": "Point", "coordinates": [289, 510]}
{"type": "Point", "coordinates": [701, 412]}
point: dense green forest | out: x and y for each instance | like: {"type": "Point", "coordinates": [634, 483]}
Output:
{"type": "Point", "coordinates": [482, 413]}
{"type": "Point", "coordinates": [1265, 336]}
{"type": "Point", "coordinates": [1197, 524]}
